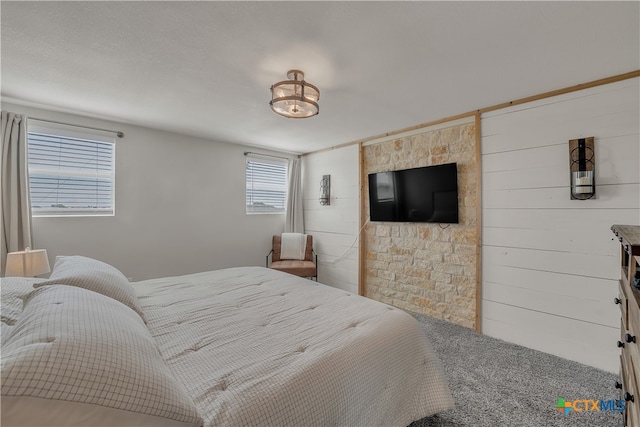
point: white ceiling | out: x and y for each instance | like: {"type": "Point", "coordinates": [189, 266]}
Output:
{"type": "Point", "coordinates": [205, 68]}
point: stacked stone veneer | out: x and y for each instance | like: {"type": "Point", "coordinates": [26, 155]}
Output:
{"type": "Point", "coordinates": [423, 267]}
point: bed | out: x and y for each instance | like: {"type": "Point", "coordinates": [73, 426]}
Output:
{"type": "Point", "coordinates": [233, 347]}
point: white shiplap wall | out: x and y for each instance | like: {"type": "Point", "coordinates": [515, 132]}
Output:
{"type": "Point", "coordinates": [550, 264]}
{"type": "Point", "coordinates": [334, 227]}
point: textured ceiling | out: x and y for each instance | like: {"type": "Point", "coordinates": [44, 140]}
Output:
{"type": "Point", "coordinates": [205, 68]}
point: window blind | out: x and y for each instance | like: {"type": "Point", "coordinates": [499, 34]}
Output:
{"type": "Point", "coordinates": [70, 174]}
{"type": "Point", "coordinates": [266, 186]}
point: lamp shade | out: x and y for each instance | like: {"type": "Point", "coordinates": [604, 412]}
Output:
{"type": "Point", "coordinates": [295, 98]}
{"type": "Point", "coordinates": [27, 263]}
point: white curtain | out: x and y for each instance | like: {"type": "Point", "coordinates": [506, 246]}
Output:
{"type": "Point", "coordinates": [15, 213]}
{"type": "Point", "coordinates": [294, 221]}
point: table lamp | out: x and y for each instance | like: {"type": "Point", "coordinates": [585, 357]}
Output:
{"type": "Point", "coordinates": [27, 263]}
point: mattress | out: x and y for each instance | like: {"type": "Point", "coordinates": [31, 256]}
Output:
{"type": "Point", "coordinates": [254, 346]}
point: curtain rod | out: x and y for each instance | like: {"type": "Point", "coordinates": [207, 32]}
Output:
{"type": "Point", "coordinates": [118, 133]}
{"type": "Point", "coordinates": [246, 153]}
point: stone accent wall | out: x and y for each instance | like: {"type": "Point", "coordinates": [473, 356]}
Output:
{"type": "Point", "coordinates": [423, 267]}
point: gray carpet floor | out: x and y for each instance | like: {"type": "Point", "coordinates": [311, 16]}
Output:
{"type": "Point", "coordinates": [495, 383]}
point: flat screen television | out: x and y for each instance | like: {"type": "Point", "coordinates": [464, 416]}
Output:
{"type": "Point", "coordinates": [426, 194]}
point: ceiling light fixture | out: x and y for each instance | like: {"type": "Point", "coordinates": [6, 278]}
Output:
{"type": "Point", "coordinates": [295, 98]}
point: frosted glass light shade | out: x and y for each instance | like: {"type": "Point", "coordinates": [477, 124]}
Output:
{"type": "Point", "coordinates": [27, 263]}
{"type": "Point", "coordinates": [295, 98]}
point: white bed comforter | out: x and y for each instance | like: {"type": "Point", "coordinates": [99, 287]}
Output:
{"type": "Point", "coordinates": [254, 346]}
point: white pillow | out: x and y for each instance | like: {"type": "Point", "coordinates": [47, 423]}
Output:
{"type": "Point", "coordinates": [13, 291]}
{"type": "Point", "coordinates": [5, 332]}
{"type": "Point", "coordinates": [94, 275]}
{"type": "Point", "coordinates": [72, 345]}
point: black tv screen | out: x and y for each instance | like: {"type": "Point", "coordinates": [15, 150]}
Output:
{"type": "Point", "coordinates": [426, 194]}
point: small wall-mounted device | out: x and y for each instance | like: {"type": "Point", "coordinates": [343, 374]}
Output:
{"type": "Point", "coordinates": [325, 190]}
{"type": "Point", "coordinates": [582, 167]}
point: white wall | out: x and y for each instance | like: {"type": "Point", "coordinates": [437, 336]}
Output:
{"type": "Point", "coordinates": [334, 227]}
{"type": "Point", "coordinates": [550, 264]}
{"type": "Point", "coordinates": [180, 207]}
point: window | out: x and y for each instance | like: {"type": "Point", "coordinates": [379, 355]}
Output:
{"type": "Point", "coordinates": [71, 172]}
{"type": "Point", "coordinates": [266, 185]}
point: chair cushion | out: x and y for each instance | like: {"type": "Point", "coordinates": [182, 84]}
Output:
{"type": "Point", "coordinates": [298, 268]}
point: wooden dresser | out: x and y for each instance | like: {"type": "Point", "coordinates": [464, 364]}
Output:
{"type": "Point", "coordinates": [629, 301]}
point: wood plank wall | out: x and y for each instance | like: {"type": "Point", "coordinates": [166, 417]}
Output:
{"type": "Point", "coordinates": [550, 265]}
{"type": "Point", "coordinates": [334, 227]}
